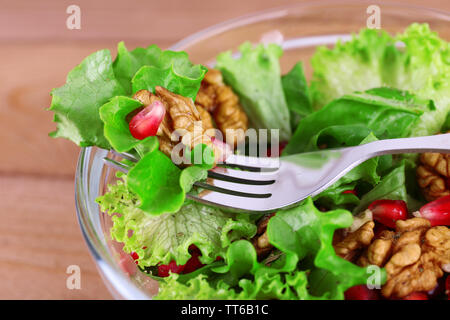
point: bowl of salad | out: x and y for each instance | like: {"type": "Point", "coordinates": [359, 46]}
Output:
{"type": "Point", "coordinates": [324, 75]}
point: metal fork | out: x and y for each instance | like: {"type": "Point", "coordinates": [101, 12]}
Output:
{"type": "Point", "coordinates": [257, 185]}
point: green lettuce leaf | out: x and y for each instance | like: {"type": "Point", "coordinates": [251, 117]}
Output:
{"type": "Point", "coordinates": [420, 65]}
{"type": "Point", "coordinates": [156, 182]}
{"type": "Point", "coordinates": [167, 237]}
{"type": "Point", "coordinates": [98, 79]}
{"type": "Point", "coordinates": [304, 236]}
{"type": "Point", "coordinates": [446, 126]}
{"type": "Point", "coordinates": [76, 104]}
{"type": "Point", "coordinates": [306, 232]}
{"type": "Point", "coordinates": [116, 127]}
{"type": "Point", "coordinates": [392, 187]}
{"type": "Point", "coordinates": [127, 63]}
{"type": "Point", "coordinates": [145, 68]}
{"type": "Point", "coordinates": [256, 78]}
{"type": "Point", "coordinates": [297, 95]}
{"type": "Point", "coordinates": [197, 288]}
{"type": "Point", "coordinates": [356, 115]}
{"type": "Point", "coordinates": [348, 67]}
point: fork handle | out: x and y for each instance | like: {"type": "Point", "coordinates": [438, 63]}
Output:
{"type": "Point", "coordinates": [437, 143]}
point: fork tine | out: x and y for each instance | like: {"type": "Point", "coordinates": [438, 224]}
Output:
{"type": "Point", "coordinates": [116, 165]}
{"type": "Point", "coordinates": [124, 155]}
{"type": "Point", "coordinates": [233, 202]}
{"type": "Point", "coordinates": [253, 163]}
{"type": "Point", "coordinates": [245, 177]}
{"type": "Point", "coordinates": [251, 191]}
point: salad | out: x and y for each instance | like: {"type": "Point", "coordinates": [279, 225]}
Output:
{"type": "Point", "coordinates": [380, 232]}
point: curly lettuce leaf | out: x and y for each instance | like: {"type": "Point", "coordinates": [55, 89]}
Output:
{"type": "Point", "coordinates": [184, 81]}
{"type": "Point", "coordinates": [98, 79]}
{"type": "Point", "coordinates": [242, 278]}
{"type": "Point", "coordinates": [349, 66]}
{"type": "Point", "coordinates": [167, 237]}
{"type": "Point", "coordinates": [76, 104]}
{"type": "Point", "coordinates": [416, 60]}
{"type": "Point", "coordinates": [255, 77]}
{"type": "Point", "coordinates": [197, 288]}
{"type": "Point", "coordinates": [297, 95]}
{"type": "Point", "coordinates": [127, 63]}
{"type": "Point", "coordinates": [387, 113]}
{"type": "Point", "coordinates": [307, 233]}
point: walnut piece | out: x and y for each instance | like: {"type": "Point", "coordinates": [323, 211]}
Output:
{"type": "Point", "coordinates": [182, 118]}
{"type": "Point", "coordinates": [417, 265]}
{"type": "Point", "coordinates": [379, 250]}
{"type": "Point", "coordinates": [433, 175]}
{"type": "Point", "coordinates": [361, 238]}
{"type": "Point", "coordinates": [260, 241]}
{"type": "Point", "coordinates": [219, 99]}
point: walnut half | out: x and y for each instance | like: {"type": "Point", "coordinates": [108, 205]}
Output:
{"type": "Point", "coordinates": [433, 175]}
{"type": "Point", "coordinates": [220, 100]}
{"type": "Point", "coordinates": [183, 119]}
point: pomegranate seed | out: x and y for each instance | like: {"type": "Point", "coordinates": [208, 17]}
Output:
{"type": "Point", "coordinates": [350, 192]}
{"type": "Point", "coordinates": [361, 292]}
{"type": "Point", "coordinates": [388, 212]}
{"type": "Point", "coordinates": [193, 263]}
{"type": "Point", "coordinates": [164, 269]}
{"type": "Point", "coordinates": [416, 296]}
{"type": "Point", "coordinates": [135, 256]}
{"type": "Point", "coordinates": [146, 123]}
{"type": "Point", "coordinates": [437, 212]}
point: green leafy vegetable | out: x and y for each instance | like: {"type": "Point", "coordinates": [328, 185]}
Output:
{"type": "Point", "coordinates": [76, 104]}
{"type": "Point", "coordinates": [255, 77]}
{"type": "Point", "coordinates": [156, 181]}
{"type": "Point", "coordinates": [127, 63]}
{"type": "Point", "coordinates": [167, 237]}
{"type": "Point", "coordinates": [98, 79]}
{"type": "Point", "coordinates": [305, 232]}
{"type": "Point", "coordinates": [296, 93]}
{"type": "Point", "coordinates": [421, 65]}
{"type": "Point", "coordinates": [355, 116]}
{"type": "Point", "coordinates": [116, 128]}
{"type": "Point", "coordinates": [392, 187]}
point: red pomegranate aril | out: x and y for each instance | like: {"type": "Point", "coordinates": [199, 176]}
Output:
{"type": "Point", "coordinates": [146, 122]}
{"type": "Point", "coordinates": [361, 292]}
{"type": "Point", "coordinates": [416, 296]}
{"type": "Point", "coordinates": [134, 255]}
{"type": "Point", "coordinates": [388, 212]}
{"type": "Point", "coordinates": [193, 263]}
{"type": "Point", "coordinates": [350, 192]}
{"type": "Point", "coordinates": [437, 212]}
{"type": "Point", "coordinates": [164, 269]}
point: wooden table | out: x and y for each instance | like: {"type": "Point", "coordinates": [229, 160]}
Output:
{"type": "Point", "coordinates": [39, 234]}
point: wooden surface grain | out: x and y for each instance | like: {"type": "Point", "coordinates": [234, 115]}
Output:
{"type": "Point", "coordinates": [39, 234]}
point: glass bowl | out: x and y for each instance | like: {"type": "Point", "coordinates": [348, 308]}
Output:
{"type": "Point", "coordinates": [303, 27]}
